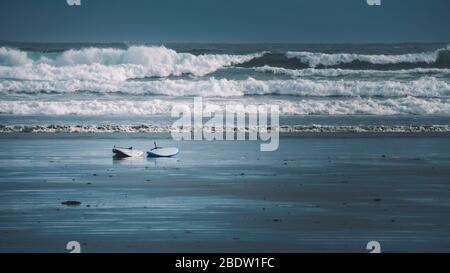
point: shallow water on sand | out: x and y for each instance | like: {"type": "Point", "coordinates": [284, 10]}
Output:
{"type": "Point", "coordinates": [329, 193]}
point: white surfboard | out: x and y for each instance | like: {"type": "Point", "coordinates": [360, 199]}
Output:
{"type": "Point", "coordinates": [124, 152]}
{"type": "Point", "coordinates": [163, 152]}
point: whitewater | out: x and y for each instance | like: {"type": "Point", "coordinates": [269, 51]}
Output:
{"type": "Point", "coordinates": [49, 83]}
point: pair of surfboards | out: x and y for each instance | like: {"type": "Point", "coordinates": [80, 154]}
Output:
{"type": "Point", "coordinates": [155, 152]}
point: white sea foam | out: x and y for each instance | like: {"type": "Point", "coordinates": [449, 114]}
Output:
{"type": "Point", "coordinates": [316, 59]}
{"type": "Point", "coordinates": [87, 107]}
{"type": "Point", "coordinates": [12, 57]}
{"type": "Point", "coordinates": [424, 87]}
{"type": "Point", "coordinates": [113, 64]}
{"type": "Point", "coordinates": [150, 107]}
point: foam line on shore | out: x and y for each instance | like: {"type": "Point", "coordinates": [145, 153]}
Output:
{"type": "Point", "coordinates": [148, 128]}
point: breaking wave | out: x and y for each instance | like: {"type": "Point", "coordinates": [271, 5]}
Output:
{"type": "Point", "coordinates": [302, 60]}
{"type": "Point", "coordinates": [317, 59]}
{"type": "Point", "coordinates": [111, 64]}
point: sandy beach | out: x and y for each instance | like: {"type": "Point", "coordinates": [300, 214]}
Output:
{"type": "Point", "coordinates": [317, 193]}
{"type": "Point", "coordinates": [331, 122]}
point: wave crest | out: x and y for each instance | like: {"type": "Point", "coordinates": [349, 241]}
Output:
{"type": "Point", "coordinates": [324, 59]}
{"type": "Point", "coordinates": [422, 87]}
{"type": "Point", "coordinates": [113, 64]}
{"type": "Point", "coordinates": [151, 107]}
{"type": "Point", "coordinates": [12, 57]}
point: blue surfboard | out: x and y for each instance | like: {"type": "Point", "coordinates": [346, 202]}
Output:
{"type": "Point", "coordinates": [162, 152]}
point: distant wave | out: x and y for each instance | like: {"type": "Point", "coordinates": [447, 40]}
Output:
{"type": "Point", "coordinates": [211, 87]}
{"type": "Point", "coordinates": [316, 59]}
{"type": "Point", "coordinates": [149, 128]}
{"type": "Point", "coordinates": [111, 64]}
{"type": "Point", "coordinates": [301, 60]}
{"type": "Point", "coordinates": [150, 107]}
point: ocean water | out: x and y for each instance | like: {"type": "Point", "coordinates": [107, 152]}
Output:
{"type": "Point", "coordinates": [133, 87]}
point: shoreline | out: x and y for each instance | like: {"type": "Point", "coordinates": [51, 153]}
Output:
{"type": "Point", "coordinates": [166, 135]}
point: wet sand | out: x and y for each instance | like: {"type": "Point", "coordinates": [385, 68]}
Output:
{"type": "Point", "coordinates": [317, 193]}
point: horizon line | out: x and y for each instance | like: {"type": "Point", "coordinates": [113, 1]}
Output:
{"type": "Point", "coordinates": [226, 43]}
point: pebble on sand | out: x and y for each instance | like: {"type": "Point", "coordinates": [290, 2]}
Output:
{"type": "Point", "coordinates": [71, 203]}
